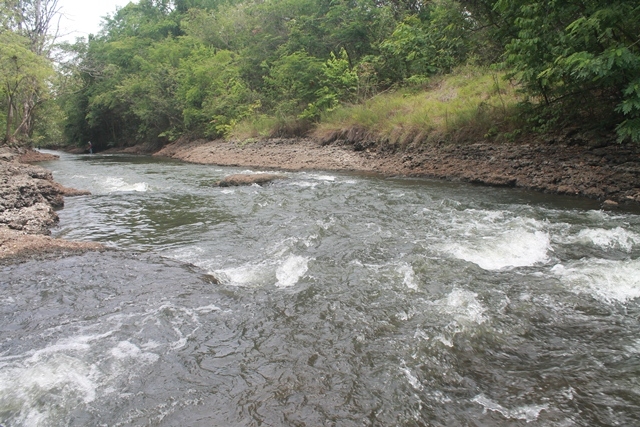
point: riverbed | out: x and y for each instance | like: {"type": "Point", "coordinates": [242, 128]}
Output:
{"type": "Point", "coordinates": [322, 298]}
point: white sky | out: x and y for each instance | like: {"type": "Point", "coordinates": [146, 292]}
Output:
{"type": "Point", "coordinates": [83, 17]}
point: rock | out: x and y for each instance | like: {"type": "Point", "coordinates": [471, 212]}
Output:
{"type": "Point", "coordinates": [15, 244]}
{"type": "Point", "coordinates": [500, 180]}
{"type": "Point", "coordinates": [248, 179]}
{"type": "Point", "coordinates": [29, 195]}
{"type": "Point", "coordinates": [609, 204]}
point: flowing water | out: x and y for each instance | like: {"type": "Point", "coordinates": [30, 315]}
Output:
{"type": "Point", "coordinates": [325, 299]}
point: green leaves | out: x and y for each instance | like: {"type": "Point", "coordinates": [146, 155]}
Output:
{"type": "Point", "coordinates": [211, 93]}
{"type": "Point", "coordinates": [433, 42]}
{"type": "Point", "coordinates": [24, 78]}
{"type": "Point", "coordinates": [584, 57]}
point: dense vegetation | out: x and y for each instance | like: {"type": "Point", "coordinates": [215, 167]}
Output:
{"type": "Point", "coordinates": [161, 69]}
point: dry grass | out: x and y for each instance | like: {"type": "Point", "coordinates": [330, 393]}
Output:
{"type": "Point", "coordinates": [470, 105]}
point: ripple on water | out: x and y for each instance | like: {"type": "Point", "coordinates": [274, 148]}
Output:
{"type": "Point", "coordinates": [342, 300]}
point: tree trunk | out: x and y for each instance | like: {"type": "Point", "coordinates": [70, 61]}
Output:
{"type": "Point", "coordinates": [7, 135]}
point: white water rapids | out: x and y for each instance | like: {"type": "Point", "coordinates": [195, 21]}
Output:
{"type": "Point", "coordinates": [321, 299]}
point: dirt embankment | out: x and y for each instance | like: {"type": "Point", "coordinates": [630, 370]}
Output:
{"type": "Point", "coordinates": [609, 173]}
{"type": "Point", "coordinates": [29, 198]}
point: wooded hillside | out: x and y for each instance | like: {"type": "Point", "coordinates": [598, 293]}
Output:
{"type": "Point", "coordinates": [161, 69]}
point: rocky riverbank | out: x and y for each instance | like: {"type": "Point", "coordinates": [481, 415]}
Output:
{"type": "Point", "coordinates": [609, 173]}
{"type": "Point", "coordinates": [29, 198]}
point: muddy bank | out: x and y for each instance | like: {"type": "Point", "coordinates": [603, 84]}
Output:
{"type": "Point", "coordinates": [609, 173]}
{"type": "Point", "coordinates": [29, 198]}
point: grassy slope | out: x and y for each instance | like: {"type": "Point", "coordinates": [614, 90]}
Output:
{"type": "Point", "coordinates": [470, 105]}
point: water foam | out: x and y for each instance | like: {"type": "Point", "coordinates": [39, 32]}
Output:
{"type": "Point", "coordinates": [328, 178]}
{"type": "Point", "coordinates": [35, 390]}
{"type": "Point", "coordinates": [127, 350]}
{"type": "Point", "coordinates": [515, 248]}
{"type": "Point", "coordinates": [617, 238]}
{"type": "Point", "coordinates": [527, 413]}
{"type": "Point", "coordinates": [463, 306]}
{"type": "Point", "coordinates": [464, 309]}
{"type": "Point", "coordinates": [413, 380]}
{"type": "Point", "coordinates": [409, 276]}
{"type": "Point", "coordinates": [291, 270]}
{"type": "Point", "coordinates": [246, 275]}
{"type": "Point", "coordinates": [606, 280]}
{"type": "Point", "coordinates": [113, 185]}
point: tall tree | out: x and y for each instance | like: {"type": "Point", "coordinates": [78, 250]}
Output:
{"type": "Point", "coordinates": [29, 28]}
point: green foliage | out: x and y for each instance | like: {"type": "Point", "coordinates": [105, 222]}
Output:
{"type": "Point", "coordinates": [207, 68]}
{"type": "Point", "coordinates": [339, 84]}
{"type": "Point", "coordinates": [23, 82]}
{"type": "Point", "coordinates": [292, 83]}
{"type": "Point", "coordinates": [430, 43]}
{"type": "Point", "coordinates": [583, 55]}
{"type": "Point", "coordinates": [211, 93]}
{"type": "Point", "coordinates": [468, 105]}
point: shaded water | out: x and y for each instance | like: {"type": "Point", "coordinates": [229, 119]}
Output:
{"type": "Point", "coordinates": [343, 300]}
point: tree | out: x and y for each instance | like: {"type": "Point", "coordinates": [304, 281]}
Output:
{"type": "Point", "coordinates": [29, 28]}
{"type": "Point", "coordinates": [211, 92]}
{"type": "Point", "coordinates": [579, 56]}
{"type": "Point", "coordinates": [23, 76]}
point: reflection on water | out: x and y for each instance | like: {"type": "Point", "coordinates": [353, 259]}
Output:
{"type": "Point", "coordinates": [322, 299]}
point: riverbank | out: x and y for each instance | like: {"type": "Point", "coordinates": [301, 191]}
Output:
{"type": "Point", "coordinates": [29, 198]}
{"type": "Point", "coordinates": [609, 173]}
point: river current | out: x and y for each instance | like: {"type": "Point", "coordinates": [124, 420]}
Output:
{"type": "Point", "coordinates": [323, 299]}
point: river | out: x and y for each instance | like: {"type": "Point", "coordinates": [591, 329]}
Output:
{"type": "Point", "coordinates": [324, 299]}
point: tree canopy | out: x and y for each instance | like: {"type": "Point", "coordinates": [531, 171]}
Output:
{"type": "Point", "coordinates": [159, 69]}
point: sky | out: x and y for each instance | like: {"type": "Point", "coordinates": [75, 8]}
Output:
{"type": "Point", "coordinates": [82, 17]}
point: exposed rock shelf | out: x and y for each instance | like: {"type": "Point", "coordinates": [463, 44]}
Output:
{"type": "Point", "coordinates": [29, 198]}
{"type": "Point", "coordinates": [609, 173]}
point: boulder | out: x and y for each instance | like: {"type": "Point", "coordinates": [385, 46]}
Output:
{"type": "Point", "coordinates": [248, 179]}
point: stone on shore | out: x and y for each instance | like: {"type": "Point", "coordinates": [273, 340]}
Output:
{"type": "Point", "coordinates": [248, 179]}
{"type": "Point", "coordinates": [28, 199]}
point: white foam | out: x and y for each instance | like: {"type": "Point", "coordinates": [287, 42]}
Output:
{"type": "Point", "coordinates": [463, 306]}
{"type": "Point", "coordinates": [291, 270]}
{"type": "Point", "coordinates": [115, 184]}
{"type": "Point", "coordinates": [75, 344]}
{"type": "Point", "coordinates": [305, 184]}
{"type": "Point", "coordinates": [413, 380]}
{"type": "Point", "coordinates": [606, 280]}
{"type": "Point", "coordinates": [527, 413]}
{"type": "Point", "coordinates": [617, 238]}
{"type": "Point", "coordinates": [37, 390]}
{"type": "Point", "coordinates": [329, 178]}
{"type": "Point", "coordinates": [514, 248]}
{"type": "Point", "coordinates": [326, 224]}
{"type": "Point", "coordinates": [127, 350]}
{"type": "Point", "coordinates": [208, 308]}
{"type": "Point", "coordinates": [409, 279]}
{"type": "Point", "coordinates": [246, 275]}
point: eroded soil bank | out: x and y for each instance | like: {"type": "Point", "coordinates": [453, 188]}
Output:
{"type": "Point", "coordinates": [29, 198]}
{"type": "Point", "coordinates": [609, 173]}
